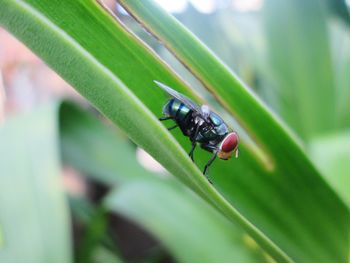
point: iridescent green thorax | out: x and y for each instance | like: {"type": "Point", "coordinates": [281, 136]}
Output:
{"type": "Point", "coordinates": [216, 120]}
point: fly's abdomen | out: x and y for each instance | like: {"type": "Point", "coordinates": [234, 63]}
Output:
{"type": "Point", "coordinates": [176, 109]}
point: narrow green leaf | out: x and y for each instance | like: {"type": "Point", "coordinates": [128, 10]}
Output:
{"type": "Point", "coordinates": [189, 227]}
{"type": "Point", "coordinates": [34, 220]}
{"type": "Point", "coordinates": [280, 195]}
{"type": "Point", "coordinates": [113, 154]}
{"type": "Point", "coordinates": [341, 61]}
{"type": "Point", "coordinates": [332, 155]}
{"type": "Point", "coordinates": [340, 9]}
{"type": "Point", "coordinates": [70, 50]}
{"type": "Point", "coordinates": [83, 71]}
{"type": "Point", "coordinates": [178, 218]}
{"type": "Point", "coordinates": [93, 219]}
{"type": "Point", "coordinates": [301, 63]}
{"type": "Point", "coordinates": [104, 255]}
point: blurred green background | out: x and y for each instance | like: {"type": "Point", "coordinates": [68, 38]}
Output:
{"type": "Point", "coordinates": [294, 54]}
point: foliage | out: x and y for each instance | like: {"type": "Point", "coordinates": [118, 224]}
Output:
{"type": "Point", "coordinates": [273, 191]}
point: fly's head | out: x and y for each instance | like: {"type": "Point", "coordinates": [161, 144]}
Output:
{"type": "Point", "coordinates": [229, 146]}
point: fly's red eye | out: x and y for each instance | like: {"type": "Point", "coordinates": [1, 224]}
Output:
{"type": "Point", "coordinates": [230, 142]}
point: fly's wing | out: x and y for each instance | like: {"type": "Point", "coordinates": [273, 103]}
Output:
{"type": "Point", "coordinates": [189, 103]}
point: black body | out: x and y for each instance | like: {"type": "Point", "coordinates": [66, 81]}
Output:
{"type": "Point", "coordinates": [200, 124]}
{"type": "Point", "coordinates": [209, 134]}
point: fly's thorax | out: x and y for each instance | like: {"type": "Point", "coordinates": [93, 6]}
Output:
{"type": "Point", "coordinates": [208, 133]}
{"type": "Point", "coordinates": [198, 120]}
{"type": "Point", "coordinates": [220, 126]}
{"type": "Point", "coordinates": [212, 133]}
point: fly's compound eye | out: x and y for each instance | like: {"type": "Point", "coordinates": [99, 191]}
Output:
{"type": "Point", "coordinates": [230, 142]}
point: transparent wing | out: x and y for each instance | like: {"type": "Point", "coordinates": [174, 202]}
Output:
{"type": "Point", "coordinates": [189, 103]}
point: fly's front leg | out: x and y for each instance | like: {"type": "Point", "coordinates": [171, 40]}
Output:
{"type": "Point", "coordinates": [208, 164]}
{"type": "Point", "coordinates": [209, 148]}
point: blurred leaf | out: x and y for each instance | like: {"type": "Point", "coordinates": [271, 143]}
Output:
{"type": "Point", "coordinates": [339, 8]}
{"type": "Point", "coordinates": [332, 155]}
{"type": "Point", "coordinates": [33, 212]}
{"type": "Point", "coordinates": [179, 219]}
{"type": "Point", "coordinates": [113, 156]}
{"type": "Point", "coordinates": [103, 255]}
{"type": "Point", "coordinates": [208, 28]}
{"type": "Point", "coordinates": [341, 60]}
{"type": "Point", "coordinates": [191, 229]}
{"type": "Point", "coordinates": [87, 73]}
{"type": "Point", "coordinates": [279, 194]}
{"type": "Point", "coordinates": [95, 232]}
{"type": "Point", "coordinates": [301, 64]}
{"type": "Point", "coordinates": [95, 238]}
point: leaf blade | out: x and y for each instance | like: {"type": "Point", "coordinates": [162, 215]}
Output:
{"type": "Point", "coordinates": [139, 194]}
{"type": "Point", "coordinates": [286, 188]}
{"type": "Point", "coordinates": [55, 42]}
{"type": "Point", "coordinates": [32, 204]}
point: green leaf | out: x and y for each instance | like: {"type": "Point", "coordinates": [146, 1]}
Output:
{"type": "Point", "coordinates": [341, 61]}
{"type": "Point", "coordinates": [95, 239]}
{"type": "Point", "coordinates": [301, 63]}
{"type": "Point", "coordinates": [278, 193]}
{"type": "Point", "coordinates": [82, 62]}
{"type": "Point", "coordinates": [273, 192]}
{"type": "Point", "coordinates": [332, 155]}
{"type": "Point", "coordinates": [114, 155]}
{"type": "Point", "coordinates": [178, 219]}
{"type": "Point", "coordinates": [104, 255]}
{"type": "Point", "coordinates": [192, 230]}
{"type": "Point", "coordinates": [94, 234]}
{"type": "Point", "coordinates": [339, 8]}
{"type": "Point", "coordinates": [34, 218]}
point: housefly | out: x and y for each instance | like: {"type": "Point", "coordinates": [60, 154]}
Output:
{"type": "Point", "coordinates": [201, 125]}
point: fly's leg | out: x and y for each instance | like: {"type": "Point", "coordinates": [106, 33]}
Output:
{"type": "Point", "coordinates": [172, 127]}
{"type": "Point", "coordinates": [165, 118]}
{"type": "Point", "coordinates": [194, 143]}
{"type": "Point", "coordinates": [208, 165]}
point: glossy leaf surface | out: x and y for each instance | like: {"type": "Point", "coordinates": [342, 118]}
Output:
{"type": "Point", "coordinates": [180, 220]}
{"type": "Point", "coordinates": [275, 198]}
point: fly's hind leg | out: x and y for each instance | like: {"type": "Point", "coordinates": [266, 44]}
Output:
{"type": "Point", "coordinates": [165, 118]}
{"type": "Point", "coordinates": [172, 127]}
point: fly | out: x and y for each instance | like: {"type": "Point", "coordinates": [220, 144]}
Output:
{"type": "Point", "coordinates": [201, 125]}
